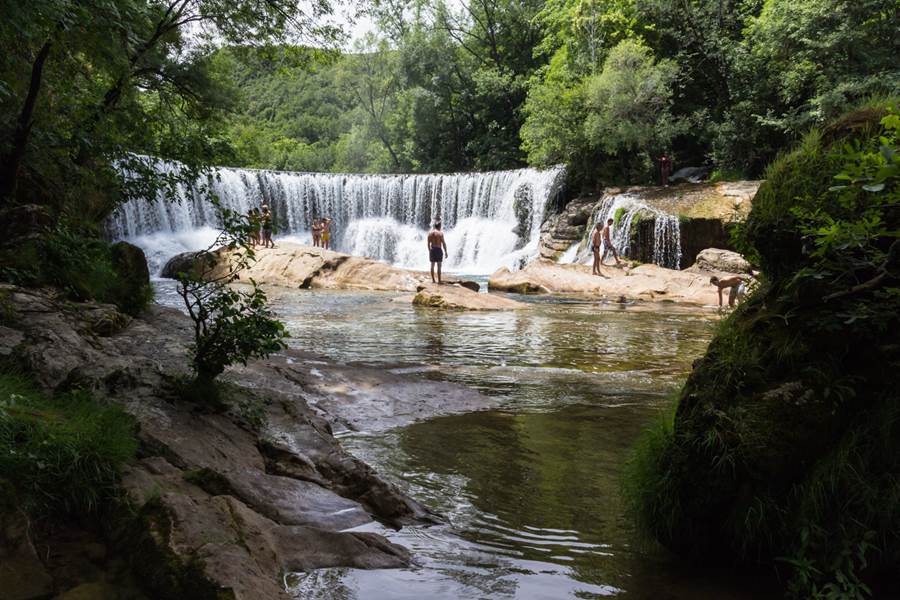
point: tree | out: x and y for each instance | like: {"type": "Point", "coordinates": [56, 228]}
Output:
{"type": "Point", "coordinates": [94, 83]}
{"type": "Point", "coordinates": [630, 101]}
{"type": "Point", "coordinates": [230, 325]}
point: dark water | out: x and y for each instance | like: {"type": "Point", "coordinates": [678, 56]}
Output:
{"type": "Point", "coordinates": [531, 491]}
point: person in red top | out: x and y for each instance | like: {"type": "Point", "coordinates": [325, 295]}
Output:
{"type": "Point", "coordinates": [665, 168]}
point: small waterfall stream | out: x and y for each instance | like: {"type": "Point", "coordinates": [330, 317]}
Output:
{"type": "Point", "coordinates": [624, 209]}
{"type": "Point", "coordinates": [491, 219]}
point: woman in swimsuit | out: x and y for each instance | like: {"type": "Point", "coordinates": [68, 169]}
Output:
{"type": "Point", "coordinates": [316, 232]}
{"type": "Point", "coordinates": [326, 232]}
{"type": "Point", "coordinates": [267, 227]}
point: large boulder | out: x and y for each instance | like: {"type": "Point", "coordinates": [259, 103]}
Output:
{"type": "Point", "coordinates": [716, 260]}
{"type": "Point", "coordinates": [183, 263]}
{"type": "Point", "coordinates": [458, 297]}
{"type": "Point", "coordinates": [130, 265]}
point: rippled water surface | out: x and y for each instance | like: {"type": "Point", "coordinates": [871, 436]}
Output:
{"type": "Point", "coordinates": [531, 491]}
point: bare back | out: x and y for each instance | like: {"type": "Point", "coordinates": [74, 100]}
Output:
{"type": "Point", "coordinates": [436, 239]}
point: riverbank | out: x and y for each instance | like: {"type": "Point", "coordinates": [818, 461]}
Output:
{"type": "Point", "coordinates": [296, 266]}
{"type": "Point", "coordinates": [625, 283]}
{"type": "Point", "coordinates": [263, 476]}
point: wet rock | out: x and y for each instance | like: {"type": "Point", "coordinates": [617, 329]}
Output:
{"type": "Point", "coordinates": [22, 574]}
{"type": "Point", "coordinates": [457, 297]}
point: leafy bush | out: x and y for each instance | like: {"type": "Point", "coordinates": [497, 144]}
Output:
{"type": "Point", "coordinates": [63, 454]}
{"type": "Point", "coordinates": [786, 444]}
{"type": "Point", "coordinates": [230, 326]}
{"type": "Point", "coordinates": [82, 265]}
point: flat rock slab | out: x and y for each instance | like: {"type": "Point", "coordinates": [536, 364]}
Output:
{"type": "Point", "coordinates": [230, 500]}
{"type": "Point", "coordinates": [457, 297]}
{"type": "Point", "coordinates": [297, 266]}
{"type": "Point", "coordinates": [645, 282]}
{"type": "Point", "coordinates": [362, 397]}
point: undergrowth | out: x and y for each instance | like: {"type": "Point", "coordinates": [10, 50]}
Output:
{"type": "Point", "coordinates": [60, 455]}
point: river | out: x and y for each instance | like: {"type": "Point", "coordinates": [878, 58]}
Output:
{"type": "Point", "coordinates": [531, 490]}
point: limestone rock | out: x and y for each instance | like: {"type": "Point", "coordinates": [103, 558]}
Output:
{"type": "Point", "coordinates": [716, 260]}
{"type": "Point", "coordinates": [226, 506]}
{"type": "Point", "coordinates": [457, 297]}
{"type": "Point", "coordinates": [644, 282]}
{"type": "Point", "coordinates": [296, 266]}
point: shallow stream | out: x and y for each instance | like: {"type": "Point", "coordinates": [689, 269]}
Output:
{"type": "Point", "coordinates": [531, 490]}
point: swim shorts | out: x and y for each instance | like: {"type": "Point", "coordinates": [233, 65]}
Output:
{"type": "Point", "coordinates": [436, 254]}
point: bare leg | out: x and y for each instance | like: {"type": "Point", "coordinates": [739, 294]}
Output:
{"type": "Point", "coordinates": [596, 270]}
{"type": "Point", "coordinates": [439, 273]}
{"type": "Point", "coordinates": [432, 273]}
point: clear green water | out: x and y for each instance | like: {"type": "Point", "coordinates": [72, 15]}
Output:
{"type": "Point", "coordinates": [530, 490]}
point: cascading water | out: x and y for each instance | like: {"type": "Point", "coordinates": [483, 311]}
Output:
{"type": "Point", "coordinates": [491, 219]}
{"type": "Point", "coordinates": [623, 209]}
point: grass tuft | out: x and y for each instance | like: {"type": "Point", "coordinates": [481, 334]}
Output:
{"type": "Point", "coordinates": [60, 455]}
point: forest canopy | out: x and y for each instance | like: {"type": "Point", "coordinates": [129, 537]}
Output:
{"type": "Point", "coordinates": [605, 87]}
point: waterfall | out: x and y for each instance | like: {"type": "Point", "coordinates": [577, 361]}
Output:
{"type": "Point", "coordinates": [490, 219]}
{"type": "Point", "coordinates": [624, 209]}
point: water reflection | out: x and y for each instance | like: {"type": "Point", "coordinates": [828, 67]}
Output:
{"type": "Point", "coordinates": [530, 491]}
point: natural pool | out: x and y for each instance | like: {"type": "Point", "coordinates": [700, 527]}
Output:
{"type": "Point", "coordinates": [531, 490]}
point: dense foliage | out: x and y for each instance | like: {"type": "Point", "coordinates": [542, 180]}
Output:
{"type": "Point", "coordinates": [784, 447]}
{"type": "Point", "coordinates": [59, 455]}
{"type": "Point", "coordinates": [88, 84]}
{"type": "Point", "coordinates": [605, 87]}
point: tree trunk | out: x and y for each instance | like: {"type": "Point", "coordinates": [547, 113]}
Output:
{"type": "Point", "coordinates": [10, 167]}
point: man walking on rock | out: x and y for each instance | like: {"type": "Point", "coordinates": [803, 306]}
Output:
{"type": "Point", "coordinates": [437, 249]}
{"type": "Point", "coordinates": [607, 243]}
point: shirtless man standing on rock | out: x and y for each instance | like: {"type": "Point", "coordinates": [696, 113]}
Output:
{"type": "Point", "coordinates": [437, 249]}
{"type": "Point", "coordinates": [596, 242]}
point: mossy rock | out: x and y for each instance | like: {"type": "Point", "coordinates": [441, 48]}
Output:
{"type": "Point", "coordinates": [784, 448]}
{"type": "Point", "coordinates": [130, 265]}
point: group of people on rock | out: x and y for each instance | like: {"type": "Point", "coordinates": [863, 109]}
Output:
{"type": "Point", "coordinates": [261, 227]}
{"type": "Point", "coordinates": [601, 239]}
{"type": "Point", "coordinates": [321, 233]}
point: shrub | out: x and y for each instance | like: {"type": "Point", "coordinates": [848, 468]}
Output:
{"type": "Point", "coordinates": [84, 267]}
{"type": "Point", "coordinates": [230, 326]}
{"type": "Point", "coordinates": [787, 433]}
{"type": "Point", "coordinates": [61, 454]}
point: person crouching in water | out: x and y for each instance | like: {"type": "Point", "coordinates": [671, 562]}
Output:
{"type": "Point", "coordinates": [737, 288]}
{"type": "Point", "coordinates": [596, 241]}
{"type": "Point", "coordinates": [437, 249]}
